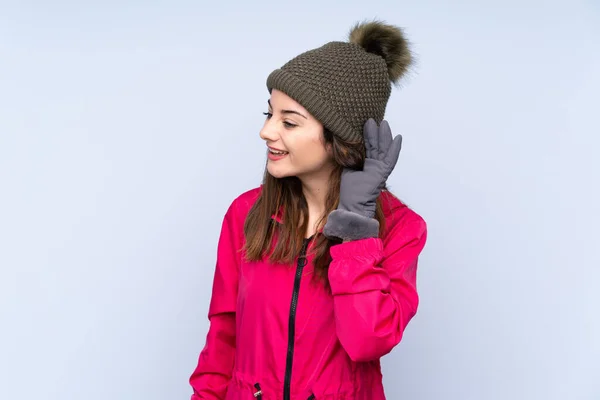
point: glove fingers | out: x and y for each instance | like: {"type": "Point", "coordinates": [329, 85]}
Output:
{"type": "Point", "coordinates": [371, 133]}
{"type": "Point", "coordinates": [393, 153]}
{"type": "Point", "coordinates": [385, 140]}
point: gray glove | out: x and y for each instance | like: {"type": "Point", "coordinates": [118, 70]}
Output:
{"type": "Point", "coordinates": [354, 217]}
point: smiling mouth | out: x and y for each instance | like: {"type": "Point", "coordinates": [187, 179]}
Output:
{"type": "Point", "coordinates": [277, 153]}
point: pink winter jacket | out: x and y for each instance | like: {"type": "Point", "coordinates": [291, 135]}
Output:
{"type": "Point", "coordinates": [276, 335]}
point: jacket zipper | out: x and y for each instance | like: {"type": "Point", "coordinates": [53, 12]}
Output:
{"type": "Point", "coordinates": [292, 321]}
{"type": "Point", "coordinates": [258, 393]}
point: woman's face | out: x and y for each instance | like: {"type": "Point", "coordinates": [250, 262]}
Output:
{"type": "Point", "coordinates": [294, 138]}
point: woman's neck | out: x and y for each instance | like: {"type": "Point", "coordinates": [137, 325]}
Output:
{"type": "Point", "coordinates": [315, 192]}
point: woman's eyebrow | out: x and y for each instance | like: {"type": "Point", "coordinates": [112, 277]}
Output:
{"type": "Point", "coordinates": [287, 111]}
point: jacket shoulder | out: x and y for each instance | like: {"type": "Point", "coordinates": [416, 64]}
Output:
{"type": "Point", "coordinates": [399, 214]}
{"type": "Point", "coordinates": [242, 204]}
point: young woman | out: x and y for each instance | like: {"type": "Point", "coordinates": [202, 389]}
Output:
{"type": "Point", "coordinates": [315, 277]}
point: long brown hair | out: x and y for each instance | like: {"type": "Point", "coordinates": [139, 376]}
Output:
{"type": "Point", "coordinates": [281, 242]}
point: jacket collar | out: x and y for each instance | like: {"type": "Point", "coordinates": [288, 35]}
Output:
{"type": "Point", "coordinates": [278, 215]}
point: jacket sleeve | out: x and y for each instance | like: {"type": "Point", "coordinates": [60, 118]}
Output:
{"type": "Point", "coordinates": [373, 282]}
{"type": "Point", "coordinates": [215, 363]}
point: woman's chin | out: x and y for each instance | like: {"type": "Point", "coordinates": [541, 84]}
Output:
{"type": "Point", "coordinates": [277, 172]}
{"type": "Point", "coordinates": [281, 176]}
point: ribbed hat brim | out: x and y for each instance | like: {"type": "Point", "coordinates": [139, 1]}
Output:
{"type": "Point", "coordinates": [312, 101]}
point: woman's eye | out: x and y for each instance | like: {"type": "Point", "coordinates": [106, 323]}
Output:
{"type": "Point", "coordinates": [285, 123]}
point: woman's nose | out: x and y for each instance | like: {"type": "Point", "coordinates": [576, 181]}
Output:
{"type": "Point", "coordinates": [269, 132]}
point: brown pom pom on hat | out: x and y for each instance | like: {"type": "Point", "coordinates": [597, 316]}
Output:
{"type": "Point", "coordinates": [343, 84]}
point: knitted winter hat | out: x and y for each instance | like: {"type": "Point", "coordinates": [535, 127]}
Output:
{"type": "Point", "coordinates": [343, 84]}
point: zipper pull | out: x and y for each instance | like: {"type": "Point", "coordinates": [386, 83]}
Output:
{"type": "Point", "coordinates": [302, 261]}
{"type": "Point", "coordinates": [258, 393]}
{"type": "Point", "coordinates": [302, 257]}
